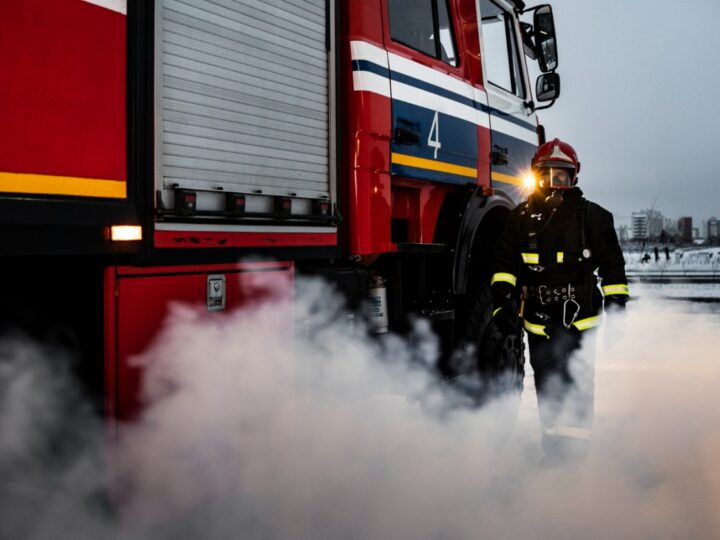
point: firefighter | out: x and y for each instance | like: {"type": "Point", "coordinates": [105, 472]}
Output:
{"type": "Point", "coordinates": [548, 255]}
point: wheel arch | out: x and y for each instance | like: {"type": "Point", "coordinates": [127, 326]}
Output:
{"type": "Point", "coordinates": [482, 223]}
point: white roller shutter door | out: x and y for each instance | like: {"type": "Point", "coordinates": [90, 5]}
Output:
{"type": "Point", "coordinates": [243, 96]}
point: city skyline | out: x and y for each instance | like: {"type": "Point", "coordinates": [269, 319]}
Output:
{"type": "Point", "coordinates": [651, 224]}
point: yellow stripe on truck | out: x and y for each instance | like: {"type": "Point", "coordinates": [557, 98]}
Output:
{"type": "Point", "coordinates": [439, 166]}
{"type": "Point", "coordinates": [507, 179]}
{"type": "Point", "coordinates": [43, 184]}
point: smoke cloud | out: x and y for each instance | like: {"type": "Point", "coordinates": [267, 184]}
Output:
{"type": "Point", "coordinates": [244, 435]}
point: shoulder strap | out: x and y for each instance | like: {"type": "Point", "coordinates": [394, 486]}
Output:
{"type": "Point", "coordinates": [586, 251]}
{"type": "Point", "coordinates": [536, 226]}
{"type": "Point", "coordinates": [532, 228]}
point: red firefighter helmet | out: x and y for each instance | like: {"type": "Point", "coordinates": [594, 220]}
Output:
{"type": "Point", "coordinates": [556, 165]}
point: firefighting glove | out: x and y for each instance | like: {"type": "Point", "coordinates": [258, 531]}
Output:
{"type": "Point", "coordinates": [502, 293]}
{"type": "Point", "coordinates": [506, 318]}
{"type": "Point", "coordinates": [615, 321]}
{"type": "Point", "coordinates": [615, 303]}
{"type": "Point", "coordinates": [505, 312]}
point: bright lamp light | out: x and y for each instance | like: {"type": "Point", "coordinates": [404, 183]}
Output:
{"type": "Point", "coordinates": [125, 233]}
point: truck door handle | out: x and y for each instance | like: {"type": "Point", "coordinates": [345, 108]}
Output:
{"type": "Point", "coordinates": [406, 136]}
{"type": "Point", "coordinates": [499, 155]}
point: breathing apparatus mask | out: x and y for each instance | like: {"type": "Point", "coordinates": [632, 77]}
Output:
{"type": "Point", "coordinates": [552, 181]}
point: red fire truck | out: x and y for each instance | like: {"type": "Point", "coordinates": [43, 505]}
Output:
{"type": "Point", "coordinates": [147, 147]}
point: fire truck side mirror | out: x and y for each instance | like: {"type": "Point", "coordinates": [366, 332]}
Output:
{"type": "Point", "coordinates": [545, 42]}
{"type": "Point", "coordinates": [547, 87]}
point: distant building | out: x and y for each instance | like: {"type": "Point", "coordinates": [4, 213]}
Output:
{"type": "Point", "coordinates": [623, 233]}
{"type": "Point", "coordinates": [685, 230]}
{"type": "Point", "coordinates": [639, 225]}
{"type": "Point", "coordinates": [712, 232]}
{"type": "Point", "coordinates": [647, 225]}
{"type": "Point", "coordinates": [670, 226]}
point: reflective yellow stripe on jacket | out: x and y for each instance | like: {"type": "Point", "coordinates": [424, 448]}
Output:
{"type": "Point", "coordinates": [583, 324]}
{"type": "Point", "coordinates": [620, 288]}
{"type": "Point", "coordinates": [537, 329]}
{"type": "Point", "coordinates": [502, 276]}
{"type": "Point", "coordinates": [531, 258]}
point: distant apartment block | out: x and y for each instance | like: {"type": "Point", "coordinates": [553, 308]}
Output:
{"type": "Point", "coordinates": [685, 230]}
{"type": "Point", "coordinates": [712, 230]}
{"type": "Point", "coordinates": [639, 225]}
{"type": "Point", "coordinates": [647, 225]}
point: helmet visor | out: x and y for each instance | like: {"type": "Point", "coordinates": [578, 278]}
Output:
{"type": "Point", "coordinates": [555, 177]}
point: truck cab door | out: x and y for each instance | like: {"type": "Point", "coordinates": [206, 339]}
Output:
{"type": "Point", "coordinates": [513, 126]}
{"type": "Point", "coordinates": [435, 112]}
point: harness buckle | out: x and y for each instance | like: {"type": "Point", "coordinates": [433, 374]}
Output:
{"type": "Point", "coordinates": [565, 312]}
{"type": "Point", "coordinates": [541, 289]}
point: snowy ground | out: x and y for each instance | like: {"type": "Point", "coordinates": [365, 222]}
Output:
{"type": "Point", "coordinates": [698, 263]}
{"type": "Point", "coordinates": [697, 292]}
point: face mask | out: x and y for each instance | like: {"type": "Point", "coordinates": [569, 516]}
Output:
{"type": "Point", "coordinates": [554, 200]}
{"type": "Point", "coordinates": [555, 177]}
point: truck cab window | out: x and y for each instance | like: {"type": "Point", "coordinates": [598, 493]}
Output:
{"type": "Point", "coordinates": [447, 42]}
{"type": "Point", "coordinates": [415, 23]}
{"type": "Point", "coordinates": [502, 54]}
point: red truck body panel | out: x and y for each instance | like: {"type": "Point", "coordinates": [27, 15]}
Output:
{"type": "Point", "coordinates": [64, 73]}
{"type": "Point", "coordinates": [139, 300]}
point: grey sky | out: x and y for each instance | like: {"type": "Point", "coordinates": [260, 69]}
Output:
{"type": "Point", "coordinates": [639, 84]}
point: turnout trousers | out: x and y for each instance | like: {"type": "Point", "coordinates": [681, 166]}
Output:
{"type": "Point", "coordinates": [564, 371]}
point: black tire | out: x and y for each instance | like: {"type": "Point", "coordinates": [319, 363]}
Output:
{"type": "Point", "coordinates": [487, 363]}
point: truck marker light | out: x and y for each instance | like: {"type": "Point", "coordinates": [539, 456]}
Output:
{"type": "Point", "coordinates": [487, 191]}
{"type": "Point", "coordinates": [185, 202]}
{"type": "Point", "coordinates": [320, 207]}
{"type": "Point", "coordinates": [125, 233]}
{"type": "Point", "coordinates": [283, 206]}
{"type": "Point", "coordinates": [235, 204]}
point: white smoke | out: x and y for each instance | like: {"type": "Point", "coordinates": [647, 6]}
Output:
{"type": "Point", "coordinates": [245, 435]}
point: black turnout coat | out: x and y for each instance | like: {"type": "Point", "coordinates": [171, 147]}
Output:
{"type": "Point", "coordinates": [556, 255]}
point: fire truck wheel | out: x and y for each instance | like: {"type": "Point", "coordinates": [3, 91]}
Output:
{"type": "Point", "coordinates": [488, 363]}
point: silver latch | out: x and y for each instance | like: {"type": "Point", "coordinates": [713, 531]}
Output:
{"type": "Point", "coordinates": [215, 292]}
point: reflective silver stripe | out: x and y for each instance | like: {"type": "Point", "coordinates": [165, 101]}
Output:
{"type": "Point", "coordinates": [616, 289]}
{"type": "Point", "coordinates": [568, 431]}
{"type": "Point", "coordinates": [496, 310]}
{"type": "Point", "coordinates": [560, 256]}
{"type": "Point", "coordinates": [531, 258]}
{"type": "Point", "coordinates": [537, 329]}
{"type": "Point", "coordinates": [501, 276]}
{"type": "Point", "coordinates": [585, 324]}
